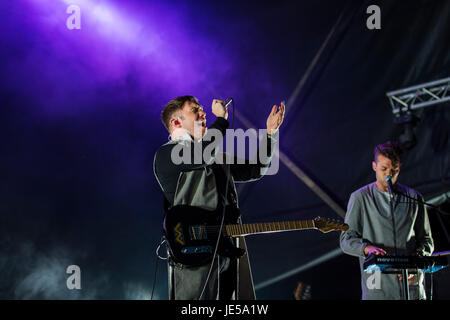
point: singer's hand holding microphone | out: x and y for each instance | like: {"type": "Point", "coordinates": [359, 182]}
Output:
{"type": "Point", "coordinates": [274, 121]}
{"type": "Point", "coordinates": [220, 108]}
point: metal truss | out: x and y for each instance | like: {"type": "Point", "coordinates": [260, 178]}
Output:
{"type": "Point", "coordinates": [404, 101]}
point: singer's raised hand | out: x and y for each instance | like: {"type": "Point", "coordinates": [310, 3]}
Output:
{"type": "Point", "coordinates": [275, 118]}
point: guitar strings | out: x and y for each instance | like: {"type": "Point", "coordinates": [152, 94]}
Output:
{"type": "Point", "coordinates": [264, 227]}
{"type": "Point", "coordinates": [254, 226]}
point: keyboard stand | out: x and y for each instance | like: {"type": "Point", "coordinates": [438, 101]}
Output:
{"type": "Point", "coordinates": [406, 284]}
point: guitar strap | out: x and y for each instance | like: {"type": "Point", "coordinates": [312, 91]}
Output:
{"type": "Point", "coordinates": [166, 204]}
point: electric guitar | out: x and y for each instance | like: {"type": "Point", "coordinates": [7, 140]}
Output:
{"type": "Point", "coordinates": [192, 233]}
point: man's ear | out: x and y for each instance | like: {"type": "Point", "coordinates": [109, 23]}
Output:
{"type": "Point", "coordinates": [374, 166]}
{"type": "Point", "coordinates": [174, 122]}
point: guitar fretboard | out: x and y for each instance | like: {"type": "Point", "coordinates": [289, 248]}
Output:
{"type": "Point", "coordinates": [235, 230]}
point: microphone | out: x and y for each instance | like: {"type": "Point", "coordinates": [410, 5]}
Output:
{"type": "Point", "coordinates": [388, 179]}
{"type": "Point", "coordinates": [227, 102]}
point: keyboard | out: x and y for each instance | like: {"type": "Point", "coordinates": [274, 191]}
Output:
{"type": "Point", "coordinates": [395, 264]}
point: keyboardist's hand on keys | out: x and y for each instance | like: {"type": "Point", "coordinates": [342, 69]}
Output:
{"type": "Point", "coordinates": [373, 250]}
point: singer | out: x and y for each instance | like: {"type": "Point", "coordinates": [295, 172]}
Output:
{"type": "Point", "coordinates": [373, 230]}
{"type": "Point", "coordinates": [204, 186]}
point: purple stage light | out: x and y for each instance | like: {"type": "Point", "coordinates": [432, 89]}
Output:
{"type": "Point", "coordinates": [134, 46]}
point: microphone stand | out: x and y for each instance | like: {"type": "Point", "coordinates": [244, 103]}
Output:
{"type": "Point", "coordinates": [405, 284]}
{"type": "Point", "coordinates": [422, 202]}
{"type": "Point", "coordinates": [404, 271]}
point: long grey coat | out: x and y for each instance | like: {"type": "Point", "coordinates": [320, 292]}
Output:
{"type": "Point", "coordinates": [371, 223]}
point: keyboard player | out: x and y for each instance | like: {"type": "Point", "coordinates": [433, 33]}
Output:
{"type": "Point", "coordinates": [374, 230]}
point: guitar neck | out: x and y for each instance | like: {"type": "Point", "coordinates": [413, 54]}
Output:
{"type": "Point", "coordinates": [236, 230]}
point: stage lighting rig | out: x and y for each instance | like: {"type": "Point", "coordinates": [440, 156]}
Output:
{"type": "Point", "coordinates": [405, 101]}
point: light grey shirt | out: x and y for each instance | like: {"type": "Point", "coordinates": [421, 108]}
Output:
{"type": "Point", "coordinates": [371, 223]}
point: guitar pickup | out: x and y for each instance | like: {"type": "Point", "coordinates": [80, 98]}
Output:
{"type": "Point", "coordinates": [198, 232]}
{"type": "Point", "coordinates": [196, 249]}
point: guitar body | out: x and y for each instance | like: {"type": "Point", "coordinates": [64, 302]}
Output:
{"type": "Point", "coordinates": [192, 234]}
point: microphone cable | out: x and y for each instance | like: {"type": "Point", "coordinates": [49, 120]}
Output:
{"type": "Point", "coordinates": [228, 174]}
{"type": "Point", "coordinates": [163, 241]}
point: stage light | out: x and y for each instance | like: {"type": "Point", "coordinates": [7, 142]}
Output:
{"type": "Point", "coordinates": [405, 101]}
{"type": "Point", "coordinates": [407, 123]}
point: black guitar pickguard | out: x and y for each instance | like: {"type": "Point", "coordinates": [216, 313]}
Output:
{"type": "Point", "coordinates": [192, 234]}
